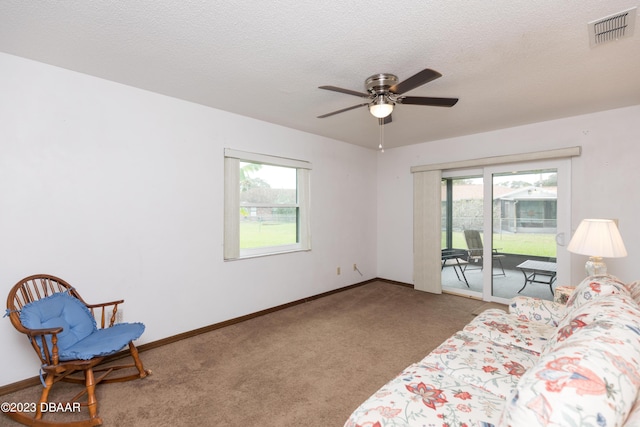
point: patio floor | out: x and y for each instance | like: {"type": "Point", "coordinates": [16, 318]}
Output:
{"type": "Point", "coordinates": [503, 286]}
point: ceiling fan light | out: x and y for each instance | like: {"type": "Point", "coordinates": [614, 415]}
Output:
{"type": "Point", "coordinates": [380, 108]}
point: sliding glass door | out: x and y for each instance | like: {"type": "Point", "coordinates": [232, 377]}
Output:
{"type": "Point", "coordinates": [526, 221]}
{"type": "Point", "coordinates": [503, 230]}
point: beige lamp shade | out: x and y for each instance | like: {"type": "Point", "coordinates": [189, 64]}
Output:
{"type": "Point", "coordinates": [597, 238]}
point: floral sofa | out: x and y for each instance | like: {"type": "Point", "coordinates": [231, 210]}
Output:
{"type": "Point", "coordinates": [540, 364]}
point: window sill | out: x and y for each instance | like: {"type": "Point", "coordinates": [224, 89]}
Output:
{"type": "Point", "coordinates": [266, 254]}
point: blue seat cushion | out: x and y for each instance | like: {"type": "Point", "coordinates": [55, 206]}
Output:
{"type": "Point", "coordinates": [80, 338]}
{"type": "Point", "coordinates": [103, 342]}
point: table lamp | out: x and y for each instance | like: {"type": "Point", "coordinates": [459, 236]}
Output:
{"type": "Point", "coordinates": [597, 238]}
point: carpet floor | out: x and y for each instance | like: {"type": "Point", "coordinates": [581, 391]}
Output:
{"type": "Point", "coordinates": [308, 365]}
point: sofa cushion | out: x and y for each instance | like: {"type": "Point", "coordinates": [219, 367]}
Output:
{"type": "Point", "coordinates": [619, 310]}
{"type": "Point", "coordinates": [537, 310]}
{"type": "Point", "coordinates": [502, 328]}
{"type": "Point", "coordinates": [634, 290]}
{"type": "Point", "coordinates": [476, 360]}
{"type": "Point", "coordinates": [423, 395]}
{"type": "Point", "coordinates": [634, 417]}
{"type": "Point", "coordinates": [594, 287]}
{"type": "Point", "coordinates": [589, 378]}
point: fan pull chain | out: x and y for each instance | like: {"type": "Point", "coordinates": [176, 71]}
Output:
{"type": "Point", "coordinates": [381, 126]}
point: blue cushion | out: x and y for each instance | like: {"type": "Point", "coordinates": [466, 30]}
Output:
{"type": "Point", "coordinates": [60, 310]}
{"type": "Point", "coordinates": [103, 342]}
{"type": "Point", "coordinates": [80, 338]}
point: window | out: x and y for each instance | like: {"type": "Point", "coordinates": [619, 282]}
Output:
{"type": "Point", "coordinates": [266, 205]}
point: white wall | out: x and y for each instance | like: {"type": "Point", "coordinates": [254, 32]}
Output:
{"type": "Point", "coordinates": [604, 181]}
{"type": "Point", "coordinates": [119, 191]}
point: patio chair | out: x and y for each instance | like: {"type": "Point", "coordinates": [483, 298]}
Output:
{"type": "Point", "coordinates": [63, 331]}
{"type": "Point", "coordinates": [476, 250]}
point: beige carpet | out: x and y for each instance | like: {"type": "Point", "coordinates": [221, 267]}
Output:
{"type": "Point", "coordinates": [307, 365]}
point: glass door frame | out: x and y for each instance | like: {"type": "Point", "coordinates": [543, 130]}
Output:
{"type": "Point", "coordinates": [464, 174]}
{"type": "Point", "coordinates": [563, 232]}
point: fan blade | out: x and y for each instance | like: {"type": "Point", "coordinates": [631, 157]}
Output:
{"type": "Point", "coordinates": [341, 90]}
{"type": "Point", "coordinates": [424, 76]}
{"type": "Point", "coordinates": [425, 100]}
{"type": "Point", "coordinates": [342, 111]}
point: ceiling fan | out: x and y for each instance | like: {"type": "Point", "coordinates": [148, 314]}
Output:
{"type": "Point", "coordinates": [384, 92]}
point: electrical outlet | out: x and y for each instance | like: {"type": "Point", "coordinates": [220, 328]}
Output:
{"type": "Point", "coordinates": [338, 271]}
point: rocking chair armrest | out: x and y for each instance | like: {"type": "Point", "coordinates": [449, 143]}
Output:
{"type": "Point", "coordinates": [105, 304]}
{"type": "Point", "coordinates": [46, 331]}
{"type": "Point", "coordinates": [48, 354]}
{"type": "Point", "coordinates": [102, 312]}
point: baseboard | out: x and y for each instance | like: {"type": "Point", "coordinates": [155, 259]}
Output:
{"type": "Point", "coordinates": [29, 382]}
{"type": "Point", "coordinates": [19, 385]}
{"type": "Point", "coordinates": [395, 282]}
{"type": "Point", "coordinates": [460, 294]}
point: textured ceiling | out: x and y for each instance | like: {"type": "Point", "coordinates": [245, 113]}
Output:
{"type": "Point", "coordinates": [510, 62]}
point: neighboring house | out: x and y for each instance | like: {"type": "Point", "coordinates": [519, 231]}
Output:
{"type": "Point", "coordinates": [529, 209]}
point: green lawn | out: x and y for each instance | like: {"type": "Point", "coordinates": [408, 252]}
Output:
{"type": "Point", "coordinates": [534, 244]}
{"type": "Point", "coordinates": [254, 234]}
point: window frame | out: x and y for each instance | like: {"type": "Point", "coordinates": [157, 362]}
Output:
{"type": "Point", "coordinates": [232, 205]}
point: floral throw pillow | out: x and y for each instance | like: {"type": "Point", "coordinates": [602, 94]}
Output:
{"type": "Point", "coordinates": [618, 309]}
{"type": "Point", "coordinates": [594, 287]}
{"type": "Point", "coordinates": [590, 378]}
{"type": "Point", "coordinates": [634, 290]}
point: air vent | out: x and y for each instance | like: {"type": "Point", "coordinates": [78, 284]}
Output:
{"type": "Point", "coordinates": [612, 27]}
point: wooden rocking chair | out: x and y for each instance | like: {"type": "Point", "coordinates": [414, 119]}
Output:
{"type": "Point", "coordinates": [63, 331]}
